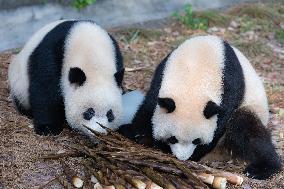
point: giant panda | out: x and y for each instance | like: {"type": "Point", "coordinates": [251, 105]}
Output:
{"type": "Point", "coordinates": [204, 94]}
{"type": "Point", "coordinates": [69, 70]}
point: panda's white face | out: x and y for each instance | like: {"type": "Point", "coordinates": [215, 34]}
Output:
{"type": "Point", "coordinates": [192, 78]}
{"type": "Point", "coordinates": [90, 104]}
{"type": "Point", "coordinates": [91, 94]}
{"type": "Point", "coordinates": [183, 129]}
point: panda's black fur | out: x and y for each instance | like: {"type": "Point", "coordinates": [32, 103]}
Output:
{"type": "Point", "coordinates": [244, 134]}
{"type": "Point", "coordinates": [44, 73]}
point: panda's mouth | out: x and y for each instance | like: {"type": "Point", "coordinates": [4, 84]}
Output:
{"type": "Point", "coordinates": [95, 124]}
{"type": "Point", "coordinates": [183, 151]}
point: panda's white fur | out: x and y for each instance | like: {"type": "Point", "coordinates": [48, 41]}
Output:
{"type": "Point", "coordinates": [200, 62]}
{"type": "Point", "coordinates": [255, 98]}
{"type": "Point", "coordinates": [201, 81]}
{"type": "Point", "coordinates": [18, 71]}
{"type": "Point", "coordinates": [96, 58]}
{"type": "Point", "coordinates": [90, 48]}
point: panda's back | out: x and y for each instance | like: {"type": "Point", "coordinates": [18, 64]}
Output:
{"type": "Point", "coordinates": [18, 70]}
{"type": "Point", "coordinates": [254, 95]}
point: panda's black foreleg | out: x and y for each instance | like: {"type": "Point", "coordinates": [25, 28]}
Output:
{"type": "Point", "coordinates": [247, 138]}
{"type": "Point", "coordinates": [48, 110]}
{"type": "Point", "coordinates": [47, 119]}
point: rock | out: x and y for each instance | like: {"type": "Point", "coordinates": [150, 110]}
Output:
{"type": "Point", "coordinates": [94, 179]}
{"type": "Point", "coordinates": [213, 29]}
{"type": "Point", "coordinates": [250, 35]}
{"type": "Point", "coordinates": [222, 30]}
{"type": "Point", "coordinates": [175, 33]}
{"type": "Point", "coordinates": [77, 182]}
{"type": "Point", "coordinates": [234, 24]}
{"type": "Point", "coordinates": [98, 186]}
{"type": "Point", "coordinates": [231, 28]}
{"type": "Point", "coordinates": [281, 135]}
{"type": "Point", "coordinates": [168, 30]}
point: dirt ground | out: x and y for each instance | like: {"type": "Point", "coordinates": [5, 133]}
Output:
{"type": "Point", "coordinates": [254, 29]}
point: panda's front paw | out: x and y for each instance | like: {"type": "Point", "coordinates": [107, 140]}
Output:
{"type": "Point", "coordinates": [47, 129]}
{"type": "Point", "coordinates": [261, 171]}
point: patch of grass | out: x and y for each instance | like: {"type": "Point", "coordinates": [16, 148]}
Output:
{"type": "Point", "coordinates": [252, 10]}
{"type": "Point", "coordinates": [132, 35]}
{"type": "Point", "coordinates": [279, 35]}
{"type": "Point", "coordinates": [280, 9]}
{"type": "Point", "coordinates": [247, 24]}
{"type": "Point", "coordinates": [81, 4]}
{"type": "Point", "coordinates": [150, 33]}
{"type": "Point", "coordinates": [269, 12]}
{"type": "Point", "coordinates": [187, 18]}
{"type": "Point", "coordinates": [253, 24]}
{"type": "Point", "coordinates": [214, 18]}
{"type": "Point", "coordinates": [178, 40]}
{"type": "Point", "coordinates": [16, 50]}
{"type": "Point", "coordinates": [252, 48]}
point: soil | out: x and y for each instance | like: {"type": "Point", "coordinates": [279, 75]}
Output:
{"type": "Point", "coordinates": [143, 49]}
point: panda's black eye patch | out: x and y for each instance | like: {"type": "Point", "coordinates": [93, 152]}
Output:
{"type": "Point", "coordinates": [110, 116]}
{"type": "Point", "coordinates": [196, 141]}
{"type": "Point", "coordinates": [167, 103]}
{"type": "Point", "coordinates": [212, 109]}
{"type": "Point", "coordinates": [76, 76]}
{"type": "Point", "coordinates": [172, 140]}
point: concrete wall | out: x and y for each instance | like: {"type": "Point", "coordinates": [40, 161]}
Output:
{"type": "Point", "coordinates": [17, 25]}
{"type": "Point", "coordinates": [11, 4]}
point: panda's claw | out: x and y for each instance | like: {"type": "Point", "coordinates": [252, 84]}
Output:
{"type": "Point", "coordinates": [260, 171]}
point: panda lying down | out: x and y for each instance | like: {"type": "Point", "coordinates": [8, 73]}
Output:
{"type": "Point", "coordinates": [69, 69]}
{"type": "Point", "coordinates": [205, 94]}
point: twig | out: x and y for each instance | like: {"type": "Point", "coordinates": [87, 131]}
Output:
{"type": "Point", "coordinates": [61, 155]}
{"type": "Point", "coordinates": [119, 162]}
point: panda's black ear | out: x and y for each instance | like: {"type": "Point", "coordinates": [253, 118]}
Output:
{"type": "Point", "coordinates": [212, 109]}
{"type": "Point", "coordinates": [167, 103]}
{"type": "Point", "coordinates": [119, 77]}
{"type": "Point", "coordinates": [76, 76]}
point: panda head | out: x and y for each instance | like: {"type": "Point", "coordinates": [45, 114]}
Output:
{"type": "Point", "coordinates": [182, 131]}
{"type": "Point", "coordinates": [189, 99]}
{"type": "Point", "coordinates": [92, 76]}
{"type": "Point", "coordinates": [90, 104]}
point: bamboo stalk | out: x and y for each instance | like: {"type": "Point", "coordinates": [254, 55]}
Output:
{"type": "Point", "coordinates": [117, 162]}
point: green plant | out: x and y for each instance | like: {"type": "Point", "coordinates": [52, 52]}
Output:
{"type": "Point", "coordinates": [279, 35]}
{"type": "Point", "coordinates": [215, 18]}
{"type": "Point", "coordinates": [247, 24]}
{"type": "Point", "coordinates": [187, 18]}
{"type": "Point", "coordinates": [81, 4]}
{"type": "Point", "coordinates": [131, 35]}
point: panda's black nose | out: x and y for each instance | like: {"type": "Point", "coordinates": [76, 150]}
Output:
{"type": "Point", "coordinates": [110, 116]}
{"type": "Point", "coordinates": [172, 140]}
{"type": "Point", "coordinates": [89, 114]}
